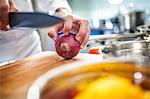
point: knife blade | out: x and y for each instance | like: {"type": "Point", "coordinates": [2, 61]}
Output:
{"type": "Point", "coordinates": [32, 20]}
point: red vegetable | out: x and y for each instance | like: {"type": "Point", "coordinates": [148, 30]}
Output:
{"type": "Point", "coordinates": [67, 46]}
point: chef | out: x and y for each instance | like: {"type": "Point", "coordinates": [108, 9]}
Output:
{"type": "Point", "coordinates": [19, 43]}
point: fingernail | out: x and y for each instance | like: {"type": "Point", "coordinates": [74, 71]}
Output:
{"type": "Point", "coordinates": [82, 46]}
{"type": "Point", "coordinates": [52, 36]}
{"type": "Point", "coordinates": [66, 32]}
{"type": "Point", "coordinates": [78, 38]}
{"type": "Point", "coordinates": [55, 37]}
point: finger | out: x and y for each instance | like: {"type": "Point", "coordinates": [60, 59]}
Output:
{"type": "Point", "coordinates": [75, 27]}
{"type": "Point", "coordinates": [0, 21]}
{"type": "Point", "coordinates": [5, 28]}
{"type": "Point", "coordinates": [11, 3]}
{"type": "Point", "coordinates": [82, 30]}
{"type": "Point", "coordinates": [13, 7]}
{"type": "Point", "coordinates": [68, 24]}
{"type": "Point", "coordinates": [53, 34]}
{"type": "Point", "coordinates": [0, 24]}
{"type": "Point", "coordinates": [4, 16]}
{"type": "Point", "coordinates": [54, 30]}
{"type": "Point", "coordinates": [85, 39]}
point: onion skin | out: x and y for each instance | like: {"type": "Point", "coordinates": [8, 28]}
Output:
{"type": "Point", "coordinates": [67, 46]}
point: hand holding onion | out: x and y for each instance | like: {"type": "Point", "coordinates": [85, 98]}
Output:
{"type": "Point", "coordinates": [69, 45]}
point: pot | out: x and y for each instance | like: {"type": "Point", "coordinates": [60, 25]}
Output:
{"type": "Point", "coordinates": [127, 46]}
{"type": "Point", "coordinates": [136, 19]}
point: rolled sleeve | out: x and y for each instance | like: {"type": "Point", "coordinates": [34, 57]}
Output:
{"type": "Point", "coordinates": [50, 6]}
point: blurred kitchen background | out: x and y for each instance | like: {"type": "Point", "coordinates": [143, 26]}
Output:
{"type": "Point", "coordinates": [107, 17]}
{"type": "Point", "coordinates": [112, 14]}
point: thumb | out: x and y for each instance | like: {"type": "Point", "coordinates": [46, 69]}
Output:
{"type": "Point", "coordinates": [53, 33]}
{"type": "Point", "coordinates": [13, 7]}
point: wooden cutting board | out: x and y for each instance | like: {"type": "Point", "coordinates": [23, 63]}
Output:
{"type": "Point", "coordinates": [17, 77]}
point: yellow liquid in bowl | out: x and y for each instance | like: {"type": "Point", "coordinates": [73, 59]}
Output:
{"type": "Point", "coordinates": [110, 87]}
{"type": "Point", "coordinates": [114, 80]}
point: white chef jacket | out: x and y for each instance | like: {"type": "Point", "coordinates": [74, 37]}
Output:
{"type": "Point", "coordinates": [20, 43]}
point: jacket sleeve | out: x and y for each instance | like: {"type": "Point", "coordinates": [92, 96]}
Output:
{"type": "Point", "coordinates": [50, 6]}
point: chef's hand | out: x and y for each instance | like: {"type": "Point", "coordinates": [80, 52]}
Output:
{"type": "Point", "coordinates": [6, 6]}
{"type": "Point", "coordinates": [72, 24]}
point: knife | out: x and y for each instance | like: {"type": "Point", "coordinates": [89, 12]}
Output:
{"type": "Point", "coordinates": [32, 20]}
